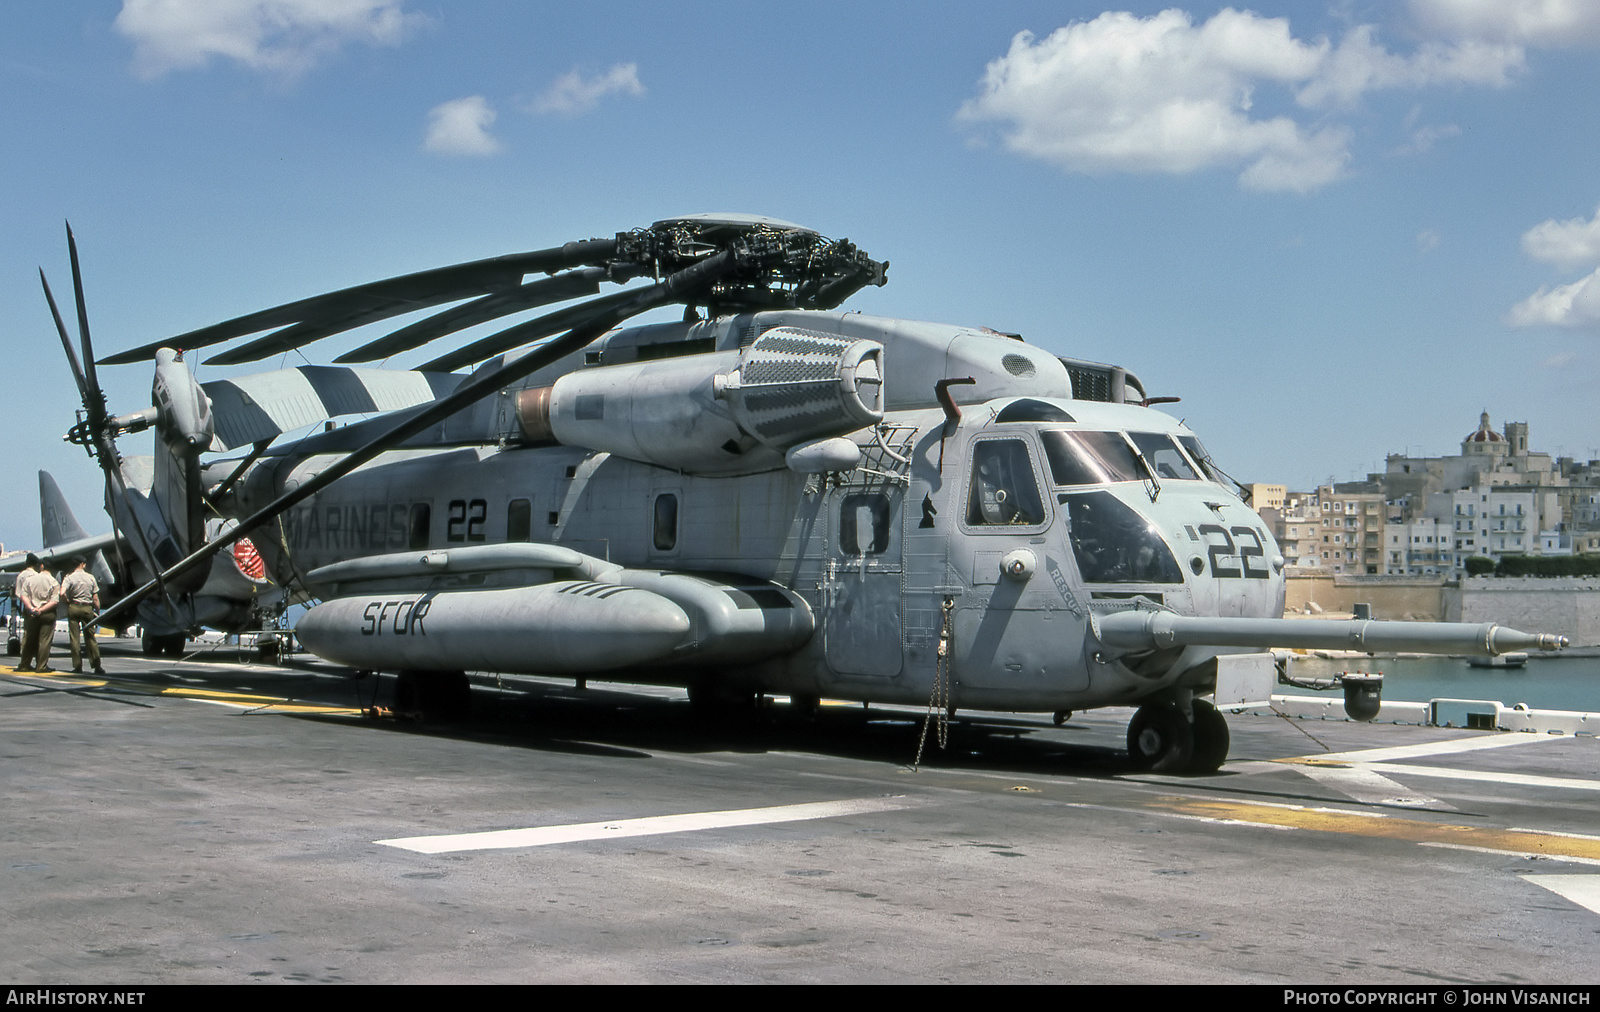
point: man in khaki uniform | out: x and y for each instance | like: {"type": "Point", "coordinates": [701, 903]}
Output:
{"type": "Point", "coordinates": [81, 592]}
{"type": "Point", "coordinates": [38, 592]}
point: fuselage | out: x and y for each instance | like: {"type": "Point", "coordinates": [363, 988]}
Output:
{"type": "Point", "coordinates": [1001, 533]}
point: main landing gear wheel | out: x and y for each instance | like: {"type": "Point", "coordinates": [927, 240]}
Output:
{"type": "Point", "coordinates": [713, 701]}
{"type": "Point", "coordinates": [1160, 739]}
{"type": "Point", "coordinates": [156, 646]}
{"type": "Point", "coordinates": [1210, 738]}
{"type": "Point", "coordinates": [433, 694]}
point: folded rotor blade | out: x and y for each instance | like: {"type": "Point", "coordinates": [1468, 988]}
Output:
{"type": "Point", "coordinates": [523, 333]}
{"type": "Point", "coordinates": [604, 314]}
{"type": "Point", "coordinates": [393, 296]}
{"type": "Point", "coordinates": [560, 288]}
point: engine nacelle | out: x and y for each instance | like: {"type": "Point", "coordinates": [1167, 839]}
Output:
{"type": "Point", "coordinates": [719, 413]}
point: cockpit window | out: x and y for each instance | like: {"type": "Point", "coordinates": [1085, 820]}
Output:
{"type": "Point", "coordinates": [1114, 544]}
{"type": "Point", "coordinates": [1090, 458]}
{"type": "Point", "coordinates": [1201, 457]}
{"type": "Point", "coordinates": [1163, 455]}
{"type": "Point", "coordinates": [1004, 491]}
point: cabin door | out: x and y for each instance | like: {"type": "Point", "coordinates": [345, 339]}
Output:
{"type": "Point", "coordinates": [862, 581]}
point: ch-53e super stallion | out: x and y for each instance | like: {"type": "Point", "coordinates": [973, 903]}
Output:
{"type": "Point", "coordinates": [768, 497]}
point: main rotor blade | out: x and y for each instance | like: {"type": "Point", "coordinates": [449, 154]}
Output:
{"type": "Point", "coordinates": [560, 288]}
{"type": "Point", "coordinates": [523, 333]}
{"type": "Point", "coordinates": [601, 319]}
{"type": "Point", "coordinates": [403, 294]}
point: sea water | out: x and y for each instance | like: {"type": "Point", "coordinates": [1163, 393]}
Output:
{"type": "Point", "coordinates": [1547, 683]}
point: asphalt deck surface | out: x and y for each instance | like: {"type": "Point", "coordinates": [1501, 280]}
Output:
{"type": "Point", "coordinates": [219, 820]}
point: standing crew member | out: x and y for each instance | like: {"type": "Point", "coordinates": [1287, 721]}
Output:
{"type": "Point", "coordinates": [39, 593]}
{"type": "Point", "coordinates": [81, 592]}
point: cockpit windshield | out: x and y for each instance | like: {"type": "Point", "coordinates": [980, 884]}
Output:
{"type": "Point", "coordinates": [1201, 457]}
{"type": "Point", "coordinates": [1082, 457]}
{"type": "Point", "coordinates": [1163, 455]}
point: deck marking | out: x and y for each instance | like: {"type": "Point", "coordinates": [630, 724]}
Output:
{"type": "Point", "coordinates": [1362, 774]}
{"type": "Point", "coordinates": [1584, 890]}
{"type": "Point", "coordinates": [1517, 779]}
{"type": "Point", "coordinates": [541, 836]}
{"type": "Point", "coordinates": [244, 700]}
{"type": "Point", "coordinates": [1504, 853]}
{"type": "Point", "coordinates": [1446, 747]}
{"type": "Point", "coordinates": [1326, 820]}
{"type": "Point", "coordinates": [1364, 783]}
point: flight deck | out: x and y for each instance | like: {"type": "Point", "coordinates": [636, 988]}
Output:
{"type": "Point", "coordinates": [219, 820]}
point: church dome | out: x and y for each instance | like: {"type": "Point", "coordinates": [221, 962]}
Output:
{"type": "Point", "coordinates": [1484, 434]}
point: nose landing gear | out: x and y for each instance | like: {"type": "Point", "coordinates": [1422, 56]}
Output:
{"type": "Point", "coordinates": [1162, 739]}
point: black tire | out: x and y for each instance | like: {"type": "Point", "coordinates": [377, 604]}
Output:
{"type": "Point", "coordinates": [13, 646]}
{"type": "Point", "coordinates": [150, 645]}
{"type": "Point", "coordinates": [1160, 739]}
{"type": "Point", "coordinates": [433, 695]}
{"type": "Point", "coordinates": [1210, 738]}
{"type": "Point", "coordinates": [719, 702]}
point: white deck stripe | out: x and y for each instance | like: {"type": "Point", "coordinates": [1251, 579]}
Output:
{"type": "Point", "coordinates": [1519, 779]}
{"type": "Point", "coordinates": [1378, 755]}
{"type": "Point", "coordinates": [542, 836]}
{"type": "Point", "coordinates": [1584, 890]}
{"type": "Point", "coordinates": [1365, 784]}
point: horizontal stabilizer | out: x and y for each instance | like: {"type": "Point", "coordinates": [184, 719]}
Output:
{"type": "Point", "coordinates": [263, 406]}
{"type": "Point", "coordinates": [62, 552]}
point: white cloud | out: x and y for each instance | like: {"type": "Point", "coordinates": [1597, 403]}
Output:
{"type": "Point", "coordinates": [1573, 307]}
{"type": "Point", "coordinates": [1571, 243]}
{"type": "Point", "coordinates": [1542, 23]}
{"type": "Point", "coordinates": [283, 36]}
{"type": "Point", "coordinates": [461, 127]}
{"type": "Point", "coordinates": [1427, 240]}
{"type": "Point", "coordinates": [573, 94]}
{"type": "Point", "coordinates": [1163, 94]}
{"type": "Point", "coordinates": [1576, 306]}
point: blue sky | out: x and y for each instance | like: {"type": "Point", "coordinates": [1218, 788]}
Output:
{"type": "Point", "coordinates": [1336, 230]}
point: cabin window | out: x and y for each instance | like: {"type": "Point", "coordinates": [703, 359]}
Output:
{"type": "Point", "coordinates": [864, 524]}
{"type": "Point", "coordinates": [421, 517]}
{"type": "Point", "coordinates": [1004, 491]}
{"type": "Point", "coordinates": [666, 522]}
{"type": "Point", "coordinates": [1114, 544]}
{"type": "Point", "coordinates": [519, 520]}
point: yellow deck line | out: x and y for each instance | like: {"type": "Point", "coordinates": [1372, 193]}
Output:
{"type": "Point", "coordinates": [1411, 830]}
{"type": "Point", "coordinates": [274, 704]}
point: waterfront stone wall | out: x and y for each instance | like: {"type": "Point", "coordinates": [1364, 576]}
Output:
{"type": "Point", "coordinates": [1566, 604]}
{"type": "Point", "coordinates": [1393, 598]}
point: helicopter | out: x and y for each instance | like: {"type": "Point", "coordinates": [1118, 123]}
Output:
{"type": "Point", "coordinates": [772, 496]}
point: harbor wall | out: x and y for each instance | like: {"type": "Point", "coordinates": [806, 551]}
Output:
{"type": "Point", "coordinates": [1393, 598]}
{"type": "Point", "coordinates": [1568, 605]}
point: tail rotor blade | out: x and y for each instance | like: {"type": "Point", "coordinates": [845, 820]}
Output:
{"type": "Point", "coordinates": [94, 400]}
{"type": "Point", "coordinates": [66, 342]}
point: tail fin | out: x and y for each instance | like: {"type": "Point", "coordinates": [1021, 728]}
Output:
{"type": "Point", "coordinates": [60, 525]}
{"type": "Point", "coordinates": [56, 519]}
